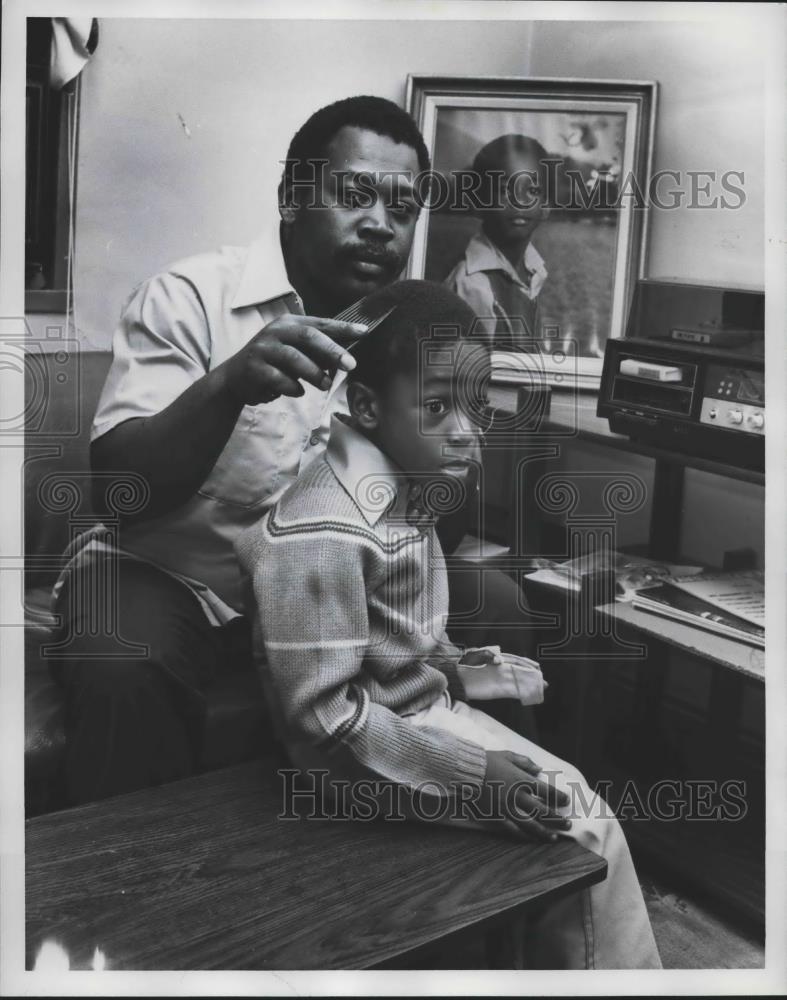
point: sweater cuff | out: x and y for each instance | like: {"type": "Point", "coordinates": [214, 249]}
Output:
{"type": "Point", "coordinates": [471, 761]}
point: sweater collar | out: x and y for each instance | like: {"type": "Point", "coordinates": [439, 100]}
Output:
{"type": "Point", "coordinates": [372, 480]}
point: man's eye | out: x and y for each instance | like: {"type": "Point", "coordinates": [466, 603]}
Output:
{"type": "Point", "coordinates": [436, 406]}
{"type": "Point", "coordinates": [404, 209]}
{"type": "Point", "coordinates": [354, 199]}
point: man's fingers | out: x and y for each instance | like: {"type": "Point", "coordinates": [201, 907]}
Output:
{"type": "Point", "coordinates": [294, 364]}
{"type": "Point", "coordinates": [272, 383]}
{"type": "Point", "coordinates": [328, 354]}
{"type": "Point", "coordinates": [343, 333]}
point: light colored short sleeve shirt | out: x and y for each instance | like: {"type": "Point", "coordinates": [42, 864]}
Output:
{"type": "Point", "coordinates": [474, 280]}
{"type": "Point", "coordinates": [175, 328]}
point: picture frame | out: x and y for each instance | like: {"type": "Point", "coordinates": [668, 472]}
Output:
{"type": "Point", "coordinates": [549, 313]}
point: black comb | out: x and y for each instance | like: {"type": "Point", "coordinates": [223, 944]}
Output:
{"type": "Point", "coordinates": [359, 312]}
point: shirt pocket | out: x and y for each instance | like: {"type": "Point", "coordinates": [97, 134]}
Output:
{"type": "Point", "coordinates": [249, 468]}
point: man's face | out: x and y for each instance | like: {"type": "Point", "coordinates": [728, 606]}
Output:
{"type": "Point", "coordinates": [358, 237]}
{"type": "Point", "coordinates": [519, 206]}
{"type": "Point", "coordinates": [428, 422]}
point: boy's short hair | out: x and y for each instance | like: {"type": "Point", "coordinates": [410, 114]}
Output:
{"type": "Point", "coordinates": [375, 114]}
{"type": "Point", "coordinates": [489, 158]}
{"type": "Point", "coordinates": [420, 309]}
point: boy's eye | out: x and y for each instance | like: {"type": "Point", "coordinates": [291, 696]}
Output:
{"type": "Point", "coordinates": [436, 406]}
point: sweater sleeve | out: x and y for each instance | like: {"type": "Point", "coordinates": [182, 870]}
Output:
{"type": "Point", "coordinates": [446, 659]}
{"type": "Point", "coordinates": [312, 606]}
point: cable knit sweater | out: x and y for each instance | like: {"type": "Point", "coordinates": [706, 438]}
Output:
{"type": "Point", "coordinates": [351, 605]}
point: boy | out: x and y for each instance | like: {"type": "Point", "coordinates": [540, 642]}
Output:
{"type": "Point", "coordinates": [351, 597]}
{"type": "Point", "coordinates": [501, 272]}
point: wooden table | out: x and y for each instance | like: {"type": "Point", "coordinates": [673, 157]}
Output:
{"type": "Point", "coordinates": [200, 874]}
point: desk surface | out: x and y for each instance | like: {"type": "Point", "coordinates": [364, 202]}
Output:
{"type": "Point", "coordinates": [728, 652]}
{"type": "Point", "coordinates": [200, 874]}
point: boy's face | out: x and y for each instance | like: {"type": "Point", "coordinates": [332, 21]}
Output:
{"type": "Point", "coordinates": [427, 420]}
{"type": "Point", "coordinates": [519, 205]}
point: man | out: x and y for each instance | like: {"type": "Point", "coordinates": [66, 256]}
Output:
{"type": "Point", "coordinates": [218, 394]}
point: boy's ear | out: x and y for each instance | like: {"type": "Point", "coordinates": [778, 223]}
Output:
{"type": "Point", "coordinates": [364, 405]}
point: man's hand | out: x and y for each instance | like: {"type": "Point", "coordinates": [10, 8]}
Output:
{"type": "Point", "coordinates": [519, 799]}
{"type": "Point", "coordinates": [175, 450]}
{"type": "Point", "coordinates": [290, 350]}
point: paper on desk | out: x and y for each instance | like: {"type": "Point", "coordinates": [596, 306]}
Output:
{"type": "Point", "coordinates": [475, 549]}
{"type": "Point", "coordinates": [738, 593]}
{"type": "Point", "coordinates": [632, 573]}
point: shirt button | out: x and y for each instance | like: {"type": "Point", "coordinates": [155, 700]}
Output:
{"type": "Point", "coordinates": [314, 440]}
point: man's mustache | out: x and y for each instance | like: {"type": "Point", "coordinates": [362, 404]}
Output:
{"type": "Point", "coordinates": [374, 253]}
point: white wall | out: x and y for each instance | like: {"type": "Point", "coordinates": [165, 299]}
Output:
{"type": "Point", "coordinates": [149, 193]}
{"type": "Point", "coordinates": [710, 117]}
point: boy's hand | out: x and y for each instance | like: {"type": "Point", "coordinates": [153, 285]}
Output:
{"type": "Point", "coordinates": [519, 799]}
{"type": "Point", "coordinates": [486, 673]}
{"type": "Point", "coordinates": [288, 351]}
{"type": "Point", "coordinates": [481, 657]}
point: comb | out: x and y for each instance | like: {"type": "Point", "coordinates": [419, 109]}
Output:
{"type": "Point", "coordinates": [359, 312]}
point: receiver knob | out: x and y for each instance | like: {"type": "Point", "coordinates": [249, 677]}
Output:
{"type": "Point", "coordinates": [735, 417]}
{"type": "Point", "coordinates": [757, 420]}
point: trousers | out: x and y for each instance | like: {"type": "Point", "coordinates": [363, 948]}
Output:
{"type": "Point", "coordinates": [603, 927]}
{"type": "Point", "coordinates": [134, 685]}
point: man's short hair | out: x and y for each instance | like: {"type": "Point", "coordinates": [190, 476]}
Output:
{"type": "Point", "coordinates": [375, 114]}
{"type": "Point", "coordinates": [420, 309]}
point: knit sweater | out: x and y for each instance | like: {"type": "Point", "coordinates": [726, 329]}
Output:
{"type": "Point", "coordinates": [351, 606]}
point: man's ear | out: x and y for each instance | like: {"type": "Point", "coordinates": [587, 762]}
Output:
{"type": "Point", "coordinates": [363, 403]}
{"type": "Point", "coordinates": [287, 207]}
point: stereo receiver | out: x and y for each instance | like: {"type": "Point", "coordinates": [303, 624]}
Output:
{"type": "Point", "coordinates": [689, 374]}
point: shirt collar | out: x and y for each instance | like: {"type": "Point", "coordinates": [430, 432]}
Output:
{"type": "Point", "coordinates": [482, 255]}
{"type": "Point", "coordinates": [370, 478]}
{"type": "Point", "coordinates": [264, 274]}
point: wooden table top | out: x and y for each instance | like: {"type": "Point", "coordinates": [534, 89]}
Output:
{"type": "Point", "coordinates": [200, 874]}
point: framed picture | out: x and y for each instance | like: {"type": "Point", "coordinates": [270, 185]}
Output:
{"type": "Point", "coordinates": [537, 212]}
